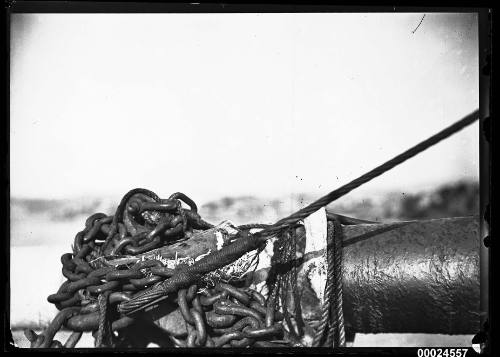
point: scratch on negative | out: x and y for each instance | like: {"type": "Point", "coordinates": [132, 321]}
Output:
{"type": "Point", "coordinates": [416, 28]}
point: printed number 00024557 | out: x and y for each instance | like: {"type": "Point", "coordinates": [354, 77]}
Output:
{"type": "Point", "coordinates": [442, 352]}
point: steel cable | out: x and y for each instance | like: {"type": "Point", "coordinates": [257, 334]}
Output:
{"type": "Point", "coordinates": [86, 246]}
{"type": "Point", "coordinates": [379, 170]}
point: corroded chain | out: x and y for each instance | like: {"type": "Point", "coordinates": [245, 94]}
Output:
{"type": "Point", "coordinates": [101, 283]}
{"type": "Point", "coordinates": [226, 313]}
{"type": "Point", "coordinates": [115, 283]}
{"type": "Point", "coordinates": [227, 316]}
{"type": "Point", "coordinates": [97, 280]}
{"type": "Point", "coordinates": [141, 223]}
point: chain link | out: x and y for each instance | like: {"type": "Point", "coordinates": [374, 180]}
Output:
{"type": "Point", "coordinates": [225, 316]}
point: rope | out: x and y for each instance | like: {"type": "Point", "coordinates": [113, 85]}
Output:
{"type": "Point", "coordinates": [185, 277]}
{"type": "Point", "coordinates": [253, 226]}
{"type": "Point", "coordinates": [379, 170]}
{"type": "Point", "coordinates": [103, 338]}
{"type": "Point", "coordinates": [332, 316]}
{"type": "Point", "coordinates": [286, 277]}
{"type": "Point", "coordinates": [230, 253]}
{"type": "Point", "coordinates": [297, 309]}
{"type": "Point", "coordinates": [329, 287]}
{"type": "Point", "coordinates": [332, 254]}
{"type": "Point", "coordinates": [338, 311]}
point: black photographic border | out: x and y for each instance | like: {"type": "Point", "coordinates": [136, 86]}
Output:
{"type": "Point", "coordinates": [485, 134]}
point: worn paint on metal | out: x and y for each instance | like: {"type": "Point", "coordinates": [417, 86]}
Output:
{"type": "Point", "coordinates": [419, 277]}
{"type": "Point", "coordinates": [405, 277]}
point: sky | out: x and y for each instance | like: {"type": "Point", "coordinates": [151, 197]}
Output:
{"type": "Point", "coordinates": [217, 105]}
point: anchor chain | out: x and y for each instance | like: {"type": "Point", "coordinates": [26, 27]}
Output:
{"type": "Point", "coordinates": [227, 316]}
{"type": "Point", "coordinates": [144, 222]}
{"type": "Point", "coordinates": [97, 279]}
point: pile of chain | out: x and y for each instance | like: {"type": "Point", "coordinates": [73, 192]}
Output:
{"type": "Point", "coordinates": [227, 316]}
{"type": "Point", "coordinates": [143, 222]}
{"type": "Point", "coordinates": [99, 278]}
